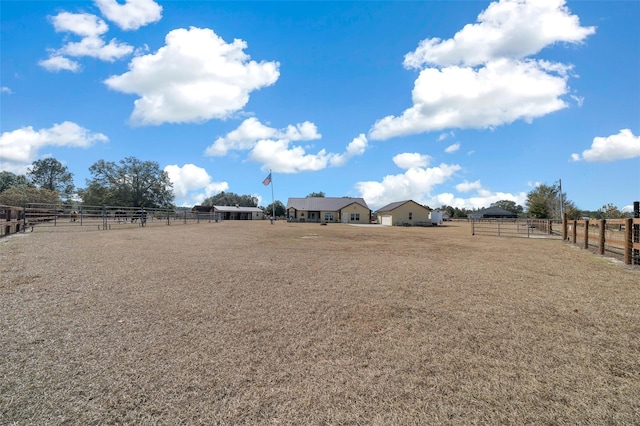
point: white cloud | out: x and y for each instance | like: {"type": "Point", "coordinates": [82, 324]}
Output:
{"type": "Point", "coordinates": [506, 29]}
{"type": "Point", "coordinates": [95, 47]}
{"type": "Point", "coordinates": [192, 184]}
{"type": "Point", "coordinates": [482, 78]}
{"type": "Point", "coordinates": [82, 24]}
{"type": "Point", "coordinates": [416, 184]}
{"type": "Point", "coordinates": [499, 93]}
{"type": "Point", "coordinates": [279, 156]}
{"type": "Point", "coordinates": [468, 186]}
{"type": "Point", "coordinates": [131, 15]}
{"type": "Point", "coordinates": [252, 130]}
{"type": "Point", "coordinates": [452, 148]}
{"type": "Point", "coordinates": [91, 29]}
{"type": "Point", "coordinates": [355, 148]}
{"type": "Point", "coordinates": [195, 77]}
{"type": "Point", "coordinates": [59, 63]}
{"type": "Point", "coordinates": [275, 150]}
{"type": "Point", "coordinates": [407, 160]}
{"type": "Point", "coordinates": [19, 148]}
{"type": "Point", "coordinates": [5, 89]}
{"type": "Point", "coordinates": [621, 146]}
{"type": "Point", "coordinates": [445, 135]}
{"type": "Point", "coordinates": [484, 198]}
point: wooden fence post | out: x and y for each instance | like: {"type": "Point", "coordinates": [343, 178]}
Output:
{"type": "Point", "coordinates": [564, 227]}
{"type": "Point", "coordinates": [628, 240]}
{"type": "Point", "coordinates": [574, 232]}
{"type": "Point", "coordinates": [586, 234]}
{"type": "Point", "coordinates": [7, 217]}
{"type": "Point", "coordinates": [602, 225]}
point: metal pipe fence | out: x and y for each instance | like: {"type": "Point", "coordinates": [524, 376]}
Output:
{"type": "Point", "coordinates": [518, 228]}
{"type": "Point", "coordinates": [67, 216]}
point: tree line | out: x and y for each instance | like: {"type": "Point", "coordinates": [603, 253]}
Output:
{"type": "Point", "coordinates": [130, 182]}
{"type": "Point", "coordinates": [135, 183]}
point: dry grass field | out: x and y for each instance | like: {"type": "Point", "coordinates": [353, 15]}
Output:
{"type": "Point", "coordinates": [250, 323]}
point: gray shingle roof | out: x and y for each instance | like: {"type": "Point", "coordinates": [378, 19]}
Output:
{"type": "Point", "coordinates": [397, 204]}
{"type": "Point", "coordinates": [495, 211]}
{"type": "Point", "coordinates": [329, 204]}
{"type": "Point", "coordinates": [392, 206]}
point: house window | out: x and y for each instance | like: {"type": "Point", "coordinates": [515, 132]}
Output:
{"type": "Point", "coordinates": [355, 217]}
{"type": "Point", "coordinates": [328, 217]}
{"type": "Point", "coordinates": [410, 216]}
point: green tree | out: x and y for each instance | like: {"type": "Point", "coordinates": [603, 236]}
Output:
{"type": "Point", "coordinates": [51, 174]}
{"type": "Point", "coordinates": [609, 211]}
{"type": "Point", "coordinates": [544, 201]}
{"type": "Point", "coordinates": [231, 199]}
{"type": "Point", "coordinates": [11, 180]}
{"type": "Point", "coordinates": [509, 206]}
{"type": "Point", "coordinates": [573, 213]}
{"type": "Point", "coordinates": [280, 209]}
{"type": "Point", "coordinates": [19, 196]}
{"type": "Point", "coordinates": [132, 183]}
{"type": "Point", "coordinates": [316, 194]}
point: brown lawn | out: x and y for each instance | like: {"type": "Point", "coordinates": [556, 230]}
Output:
{"type": "Point", "coordinates": [251, 323]}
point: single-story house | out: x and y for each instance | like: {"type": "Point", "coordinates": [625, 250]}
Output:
{"type": "Point", "coordinates": [328, 210]}
{"type": "Point", "coordinates": [492, 213]}
{"type": "Point", "coordinates": [404, 213]}
{"type": "Point", "coordinates": [230, 212]}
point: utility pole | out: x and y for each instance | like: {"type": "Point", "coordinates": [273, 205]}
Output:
{"type": "Point", "coordinates": [561, 200]}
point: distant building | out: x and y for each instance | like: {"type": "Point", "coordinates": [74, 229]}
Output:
{"type": "Point", "coordinates": [328, 210]}
{"type": "Point", "coordinates": [492, 213]}
{"type": "Point", "coordinates": [230, 212]}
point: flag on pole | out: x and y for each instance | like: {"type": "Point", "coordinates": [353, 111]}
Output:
{"type": "Point", "coordinates": [267, 180]}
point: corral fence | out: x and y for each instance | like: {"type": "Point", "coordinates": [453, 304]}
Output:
{"type": "Point", "coordinates": [48, 216]}
{"type": "Point", "coordinates": [521, 228]}
{"type": "Point", "coordinates": [618, 238]}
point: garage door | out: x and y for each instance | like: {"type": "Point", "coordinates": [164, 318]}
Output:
{"type": "Point", "coordinates": [387, 220]}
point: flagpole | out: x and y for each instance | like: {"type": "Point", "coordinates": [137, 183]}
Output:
{"type": "Point", "coordinates": [273, 206]}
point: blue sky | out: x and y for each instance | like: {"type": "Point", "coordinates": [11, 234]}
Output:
{"type": "Point", "coordinates": [448, 102]}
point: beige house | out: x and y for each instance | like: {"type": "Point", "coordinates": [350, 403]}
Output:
{"type": "Point", "coordinates": [328, 210]}
{"type": "Point", "coordinates": [404, 213]}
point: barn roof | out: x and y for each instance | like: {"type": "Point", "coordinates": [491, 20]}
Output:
{"type": "Point", "coordinates": [495, 211]}
{"type": "Point", "coordinates": [329, 204]}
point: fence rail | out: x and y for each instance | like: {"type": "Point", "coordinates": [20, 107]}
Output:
{"type": "Point", "coordinates": [45, 216]}
{"type": "Point", "coordinates": [619, 238]}
{"type": "Point", "coordinates": [521, 228]}
{"type": "Point", "coordinates": [12, 220]}
{"type": "Point", "coordinates": [615, 237]}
